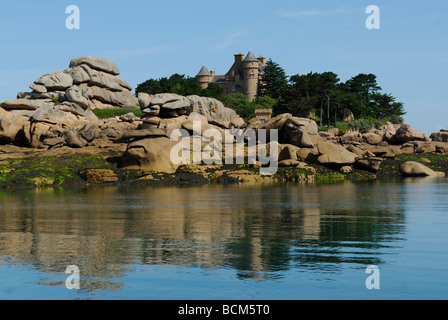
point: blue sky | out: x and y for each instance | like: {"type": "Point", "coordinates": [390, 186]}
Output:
{"type": "Point", "coordinates": [153, 39]}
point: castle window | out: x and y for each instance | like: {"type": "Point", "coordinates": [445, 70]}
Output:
{"type": "Point", "coordinates": [251, 71]}
{"type": "Point", "coordinates": [233, 73]}
{"type": "Point", "coordinates": [233, 87]}
{"type": "Point", "coordinates": [237, 78]}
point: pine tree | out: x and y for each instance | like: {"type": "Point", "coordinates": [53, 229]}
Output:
{"type": "Point", "coordinates": [274, 81]}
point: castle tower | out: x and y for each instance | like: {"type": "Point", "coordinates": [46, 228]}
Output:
{"type": "Point", "coordinates": [251, 67]}
{"type": "Point", "coordinates": [204, 77]}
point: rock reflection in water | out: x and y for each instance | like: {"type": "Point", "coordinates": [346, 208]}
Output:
{"type": "Point", "coordinates": [259, 231]}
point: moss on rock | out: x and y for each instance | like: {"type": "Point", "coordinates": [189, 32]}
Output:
{"type": "Point", "coordinates": [78, 170]}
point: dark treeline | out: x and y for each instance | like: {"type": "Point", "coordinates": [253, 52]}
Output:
{"type": "Point", "coordinates": [324, 97]}
{"type": "Point", "coordinates": [179, 84]}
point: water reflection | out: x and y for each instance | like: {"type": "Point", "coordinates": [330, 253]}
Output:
{"type": "Point", "coordinates": [259, 231]}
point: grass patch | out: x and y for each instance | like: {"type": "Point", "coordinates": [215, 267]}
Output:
{"type": "Point", "coordinates": [112, 113]}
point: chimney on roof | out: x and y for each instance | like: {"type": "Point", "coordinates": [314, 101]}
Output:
{"type": "Point", "coordinates": [239, 58]}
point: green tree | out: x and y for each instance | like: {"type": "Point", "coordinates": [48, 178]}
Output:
{"type": "Point", "coordinates": [264, 102]}
{"type": "Point", "coordinates": [328, 90]}
{"type": "Point", "coordinates": [385, 106]}
{"type": "Point", "coordinates": [274, 82]}
{"type": "Point", "coordinates": [180, 84]}
{"type": "Point", "coordinates": [301, 95]}
{"type": "Point", "coordinates": [213, 90]}
{"type": "Point", "coordinates": [363, 86]}
{"type": "Point", "coordinates": [177, 83]}
{"type": "Point", "coordinates": [240, 103]}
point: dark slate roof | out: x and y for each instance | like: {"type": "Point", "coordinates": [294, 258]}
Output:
{"type": "Point", "coordinates": [203, 72]}
{"type": "Point", "coordinates": [250, 57]}
{"type": "Point", "coordinates": [218, 79]}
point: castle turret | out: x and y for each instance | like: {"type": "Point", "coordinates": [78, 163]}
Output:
{"type": "Point", "coordinates": [251, 67]}
{"type": "Point", "coordinates": [204, 77]}
{"type": "Point", "coordinates": [239, 57]}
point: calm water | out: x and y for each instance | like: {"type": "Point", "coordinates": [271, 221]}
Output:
{"type": "Point", "coordinates": [228, 242]}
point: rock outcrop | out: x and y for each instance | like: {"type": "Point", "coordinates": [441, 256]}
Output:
{"type": "Point", "coordinates": [173, 105]}
{"type": "Point", "coordinates": [441, 136]}
{"type": "Point", "coordinates": [372, 164]}
{"type": "Point", "coordinates": [88, 82]}
{"type": "Point", "coordinates": [11, 123]}
{"type": "Point", "coordinates": [164, 113]}
{"type": "Point", "coordinates": [415, 169]}
{"type": "Point", "coordinates": [151, 153]}
{"type": "Point", "coordinates": [301, 132]}
{"type": "Point", "coordinates": [332, 154]}
{"type": "Point", "coordinates": [372, 138]}
{"type": "Point", "coordinates": [97, 64]}
{"type": "Point", "coordinates": [406, 133]}
{"type": "Point", "coordinates": [60, 105]}
{"type": "Point", "coordinates": [387, 134]}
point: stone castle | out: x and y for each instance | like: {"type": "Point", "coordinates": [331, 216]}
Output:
{"type": "Point", "coordinates": [244, 76]}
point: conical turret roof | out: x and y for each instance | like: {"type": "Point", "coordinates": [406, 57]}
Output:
{"type": "Point", "coordinates": [250, 57]}
{"type": "Point", "coordinates": [204, 72]}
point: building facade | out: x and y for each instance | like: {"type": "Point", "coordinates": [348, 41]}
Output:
{"type": "Point", "coordinates": [244, 76]}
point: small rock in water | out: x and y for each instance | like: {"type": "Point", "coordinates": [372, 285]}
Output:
{"type": "Point", "coordinates": [415, 169]}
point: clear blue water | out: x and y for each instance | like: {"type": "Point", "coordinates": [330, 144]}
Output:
{"type": "Point", "coordinates": [291, 242]}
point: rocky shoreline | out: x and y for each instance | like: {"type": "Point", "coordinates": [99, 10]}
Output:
{"type": "Point", "coordinates": [22, 169]}
{"type": "Point", "coordinates": [51, 138]}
